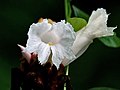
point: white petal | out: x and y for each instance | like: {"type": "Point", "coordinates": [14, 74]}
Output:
{"type": "Point", "coordinates": [99, 12]}
{"type": "Point", "coordinates": [65, 32]}
{"type": "Point", "coordinates": [60, 53]}
{"type": "Point", "coordinates": [66, 36]}
{"type": "Point", "coordinates": [57, 56]}
{"type": "Point", "coordinates": [97, 25]}
{"type": "Point", "coordinates": [34, 35]}
{"type": "Point", "coordinates": [110, 30]}
{"type": "Point", "coordinates": [32, 44]}
{"type": "Point", "coordinates": [67, 62]}
{"type": "Point", "coordinates": [50, 36]}
{"type": "Point", "coordinates": [39, 28]}
{"type": "Point", "coordinates": [43, 53]}
{"type": "Point", "coordinates": [80, 45]}
{"type": "Point", "coordinates": [80, 42]}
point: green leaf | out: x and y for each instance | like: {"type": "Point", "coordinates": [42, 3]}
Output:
{"type": "Point", "coordinates": [102, 88]}
{"type": "Point", "coordinates": [111, 41]}
{"type": "Point", "coordinates": [77, 23]}
{"type": "Point", "coordinates": [80, 13]}
{"type": "Point", "coordinates": [68, 10]}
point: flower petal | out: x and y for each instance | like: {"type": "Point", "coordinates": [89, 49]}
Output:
{"type": "Point", "coordinates": [99, 12]}
{"type": "Point", "coordinates": [79, 53]}
{"type": "Point", "coordinates": [39, 28]}
{"type": "Point", "coordinates": [63, 50]}
{"type": "Point", "coordinates": [34, 35]}
{"type": "Point", "coordinates": [50, 36]}
{"type": "Point", "coordinates": [57, 56]}
{"type": "Point", "coordinates": [32, 44]}
{"type": "Point", "coordinates": [43, 53]}
{"type": "Point", "coordinates": [60, 53]}
{"type": "Point", "coordinates": [80, 45]}
{"type": "Point", "coordinates": [66, 33]}
{"type": "Point", "coordinates": [97, 25]}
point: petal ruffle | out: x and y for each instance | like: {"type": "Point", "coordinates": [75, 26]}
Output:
{"type": "Point", "coordinates": [62, 51]}
{"type": "Point", "coordinates": [35, 33]}
{"type": "Point", "coordinates": [57, 56]}
{"type": "Point", "coordinates": [39, 28]}
{"type": "Point", "coordinates": [97, 25]}
{"type": "Point", "coordinates": [60, 54]}
{"type": "Point", "coordinates": [43, 53]}
{"type": "Point", "coordinates": [32, 44]}
{"type": "Point", "coordinates": [66, 33]}
{"type": "Point", "coordinates": [99, 12]}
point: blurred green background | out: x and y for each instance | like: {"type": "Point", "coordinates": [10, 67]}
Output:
{"type": "Point", "coordinates": [99, 66]}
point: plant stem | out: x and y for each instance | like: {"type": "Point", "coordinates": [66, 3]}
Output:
{"type": "Point", "coordinates": [68, 10]}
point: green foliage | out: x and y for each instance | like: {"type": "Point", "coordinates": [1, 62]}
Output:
{"type": "Point", "coordinates": [102, 88]}
{"type": "Point", "coordinates": [111, 41]}
{"type": "Point", "coordinates": [77, 23]}
{"type": "Point", "coordinates": [80, 13]}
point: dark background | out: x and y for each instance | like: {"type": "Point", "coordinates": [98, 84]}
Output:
{"type": "Point", "coordinates": [98, 66]}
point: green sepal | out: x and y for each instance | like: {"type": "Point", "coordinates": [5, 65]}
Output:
{"type": "Point", "coordinates": [77, 23]}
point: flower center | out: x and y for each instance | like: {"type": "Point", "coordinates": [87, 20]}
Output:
{"type": "Point", "coordinates": [50, 38]}
{"type": "Point", "coordinates": [50, 44]}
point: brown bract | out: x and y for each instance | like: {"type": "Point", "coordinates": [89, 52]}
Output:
{"type": "Point", "coordinates": [34, 76]}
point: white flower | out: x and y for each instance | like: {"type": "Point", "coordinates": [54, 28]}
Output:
{"type": "Point", "coordinates": [96, 27]}
{"type": "Point", "coordinates": [54, 39]}
{"type": "Point", "coordinates": [58, 39]}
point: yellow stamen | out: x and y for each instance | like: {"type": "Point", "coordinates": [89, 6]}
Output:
{"type": "Point", "coordinates": [50, 21]}
{"type": "Point", "coordinates": [40, 20]}
{"type": "Point", "coordinates": [50, 44]}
